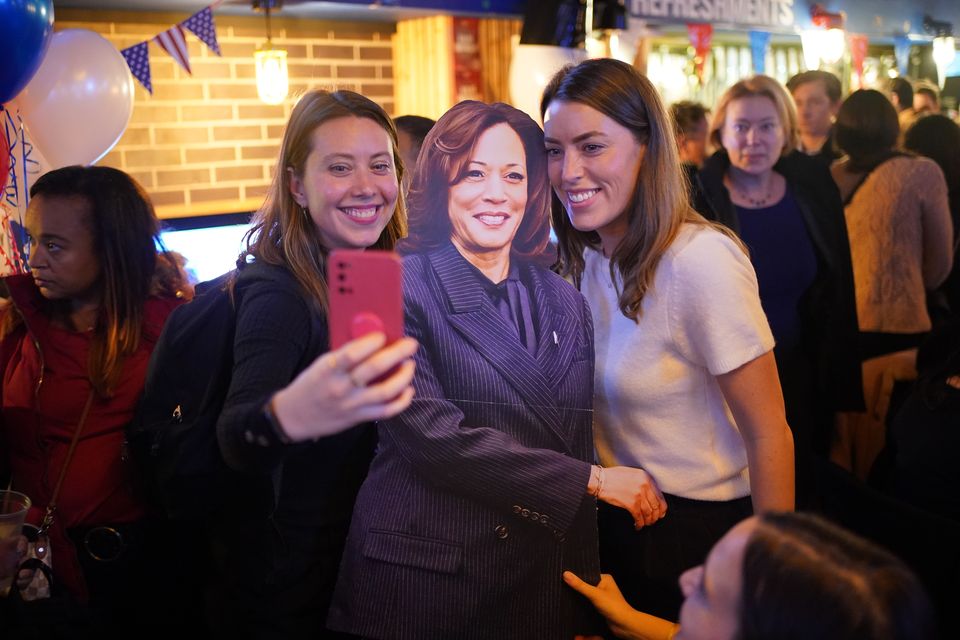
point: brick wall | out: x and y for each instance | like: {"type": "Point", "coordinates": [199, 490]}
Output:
{"type": "Point", "coordinates": [205, 143]}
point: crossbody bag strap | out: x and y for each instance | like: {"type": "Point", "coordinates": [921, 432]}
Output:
{"type": "Point", "coordinates": [52, 505]}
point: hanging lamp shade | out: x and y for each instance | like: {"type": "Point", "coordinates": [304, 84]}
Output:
{"type": "Point", "coordinates": [271, 62]}
{"type": "Point", "coordinates": [272, 77]}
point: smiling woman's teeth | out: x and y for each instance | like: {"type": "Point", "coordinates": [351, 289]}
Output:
{"type": "Point", "coordinates": [358, 212]}
{"type": "Point", "coordinates": [580, 196]}
{"type": "Point", "coordinates": [491, 219]}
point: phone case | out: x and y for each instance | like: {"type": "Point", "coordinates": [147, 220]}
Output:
{"type": "Point", "coordinates": [365, 294]}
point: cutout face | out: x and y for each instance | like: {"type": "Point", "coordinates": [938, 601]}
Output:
{"type": "Point", "coordinates": [486, 206]}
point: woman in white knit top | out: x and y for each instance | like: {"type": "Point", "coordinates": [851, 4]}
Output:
{"type": "Point", "coordinates": [686, 383]}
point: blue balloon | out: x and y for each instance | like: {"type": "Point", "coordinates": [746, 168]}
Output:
{"type": "Point", "coordinates": [25, 30]}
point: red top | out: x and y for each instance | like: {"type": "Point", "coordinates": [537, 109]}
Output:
{"type": "Point", "coordinates": [45, 386]}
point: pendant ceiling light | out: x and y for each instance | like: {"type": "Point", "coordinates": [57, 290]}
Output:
{"type": "Point", "coordinates": [944, 46]}
{"type": "Point", "coordinates": [826, 42]}
{"type": "Point", "coordinates": [271, 62]}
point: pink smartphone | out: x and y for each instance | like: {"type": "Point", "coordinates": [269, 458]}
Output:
{"type": "Point", "coordinates": [365, 295]}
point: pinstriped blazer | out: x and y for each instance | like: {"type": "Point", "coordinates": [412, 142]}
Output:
{"type": "Point", "coordinates": [476, 500]}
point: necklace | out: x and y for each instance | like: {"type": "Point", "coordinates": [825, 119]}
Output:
{"type": "Point", "coordinates": [761, 201]}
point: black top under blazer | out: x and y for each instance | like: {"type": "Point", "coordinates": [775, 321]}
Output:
{"type": "Point", "coordinates": [476, 499]}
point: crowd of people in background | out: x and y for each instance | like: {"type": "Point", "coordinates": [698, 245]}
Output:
{"type": "Point", "coordinates": [638, 338]}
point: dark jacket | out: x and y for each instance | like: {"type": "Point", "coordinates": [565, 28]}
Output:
{"type": "Point", "coordinates": [476, 501]}
{"type": "Point", "coordinates": [828, 312]}
{"type": "Point", "coordinates": [828, 152]}
{"type": "Point", "coordinates": [280, 563]}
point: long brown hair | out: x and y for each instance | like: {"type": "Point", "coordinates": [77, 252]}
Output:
{"type": "Point", "coordinates": [659, 204]}
{"type": "Point", "coordinates": [282, 234]}
{"type": "Point", "coordinates": [125, 234]}
{"type": "Point", "coordinates": [443, 161]}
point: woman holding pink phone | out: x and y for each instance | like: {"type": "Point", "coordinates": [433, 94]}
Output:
{"type": "Point", "coordinates": [297, 420]}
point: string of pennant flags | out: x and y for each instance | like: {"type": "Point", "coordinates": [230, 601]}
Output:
{"type": "Point", "coordinates": [174, 42]}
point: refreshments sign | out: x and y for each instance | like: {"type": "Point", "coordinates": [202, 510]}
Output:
{"type": "Point", "coordinates": [745, 13]}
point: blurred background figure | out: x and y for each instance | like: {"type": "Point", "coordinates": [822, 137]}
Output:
{"type": "Point", "coordinates": [411, 130]}
{"type": "Point", "coordinates": [691, 128]}
{"type": "Point", "coordinates": [786, 208]}
{"type": "Point", "coordinates": [817, 95]}
{"type": "Point", "coordinates": [926, 98]}
{"type": "Point", "coordinates": [901, 242]}
{"type": "Point", "coordinates": [938, 137]}
{"type": "Point", "coordinates": [901, 96]}
{"type": "Point", "coordinates": [918, 465]}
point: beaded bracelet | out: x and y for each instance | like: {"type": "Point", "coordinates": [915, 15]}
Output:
{"type": "Point", "coordinates": [596, 494]}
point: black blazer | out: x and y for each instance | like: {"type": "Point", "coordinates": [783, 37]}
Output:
{"type": "Point", "coordinates": [828, 311]}
{"type": "Point", "coordinates": [475, 502]}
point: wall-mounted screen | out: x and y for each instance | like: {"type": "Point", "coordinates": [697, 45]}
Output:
{"type": "Point", "coordinates": [209, 244]}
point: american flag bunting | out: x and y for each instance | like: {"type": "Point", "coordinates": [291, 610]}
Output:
{"type": "Point", "coordinates": [174, 42]}
{"type": "Point", "coordinates": [201, 25]}
{"type": "Point", "coordinates": [139, 62]}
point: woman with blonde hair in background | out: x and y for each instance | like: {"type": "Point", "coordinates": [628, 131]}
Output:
{"type": "Point", "coordinates": [787, 210]}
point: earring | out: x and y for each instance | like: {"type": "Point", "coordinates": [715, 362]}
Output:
{"type": "Point", "coordinates": [306, 213]}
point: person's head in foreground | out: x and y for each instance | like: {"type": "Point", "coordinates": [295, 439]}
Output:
{"type": "Point", "coordinates": [792, 575]}
{"type": "Point", "coordinates": [784, 576]}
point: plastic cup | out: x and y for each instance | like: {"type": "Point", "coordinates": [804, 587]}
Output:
{"type": "Point", "coordinates": [13, 512]}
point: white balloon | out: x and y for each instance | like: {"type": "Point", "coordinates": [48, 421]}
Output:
{"type": "Point", "coordinates": [531, 68]}
{"type": "Point", "coordinates": [79, 102]}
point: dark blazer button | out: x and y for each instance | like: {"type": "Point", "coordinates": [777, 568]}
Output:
{"type": "Point", "coordinates": [501, 532]}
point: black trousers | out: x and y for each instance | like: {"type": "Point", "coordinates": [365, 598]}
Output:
{"type": "Point", "coordinates": [647, 563]}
